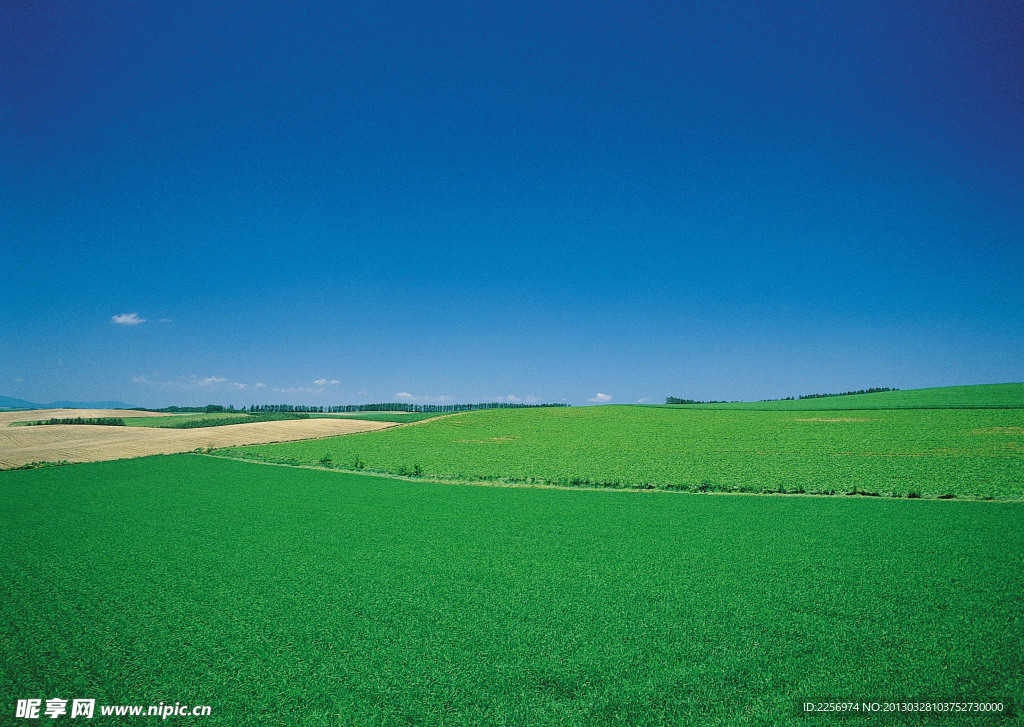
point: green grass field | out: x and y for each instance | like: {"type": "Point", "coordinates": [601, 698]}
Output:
{"type": "Point", "coordinates": [288, 596]}
{"type": "Point", "coordinates": [974, 452]}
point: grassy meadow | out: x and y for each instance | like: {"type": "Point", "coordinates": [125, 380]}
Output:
{"type": "Point", "coordinates": [293, 596]}
{"type": "Point", "coordinates": [966, 452]}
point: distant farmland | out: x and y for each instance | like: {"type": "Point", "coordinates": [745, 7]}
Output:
{"type": "Point", "coordinates": [27, 445]}
{"type": "Point", "coordinates": [974, 450]}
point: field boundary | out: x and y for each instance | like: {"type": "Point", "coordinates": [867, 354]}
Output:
{"type": "Point", "coordinates": [590, 487]}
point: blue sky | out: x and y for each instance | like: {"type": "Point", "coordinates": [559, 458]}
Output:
{"type": "Point", "coordinates": [535, 201]}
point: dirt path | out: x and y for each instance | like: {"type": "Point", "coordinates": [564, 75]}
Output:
{"type": "Point", "coordinates": [88, 443]}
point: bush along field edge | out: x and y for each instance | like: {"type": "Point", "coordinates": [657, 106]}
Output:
{"type": "Point", "coordinates": [415, 473]}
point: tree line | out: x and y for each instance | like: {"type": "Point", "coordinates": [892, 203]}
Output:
{"type": "Point", "coordinates": [208, 409]}
{"type": "Point", "coordinates": [344, 408]}
{"type": "Point", "coordinates": [875, 390]}
{"type": "Point", "coordinates": [103, 421]}
{"type": "Point", "coordinates": [392, 406]}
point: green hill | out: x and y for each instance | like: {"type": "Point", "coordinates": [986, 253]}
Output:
{"type": "Point", "coordinates": [982, 396]}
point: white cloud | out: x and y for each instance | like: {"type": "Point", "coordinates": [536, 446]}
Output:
{"type": "Point", "coordinates": [325, 382]}
{"type": "Point", "coordinates": [236, 385]}
{"type": "Point", "coordinates": [128, 319]}
{"type": "Point", "coordinates": [645, 400]}
{"type": "Point", "coordinates": [259, 385]}
{"type": "Point", "coordinates": [600, 398]}
{"type": "Point", "coordinates": [513, 398]}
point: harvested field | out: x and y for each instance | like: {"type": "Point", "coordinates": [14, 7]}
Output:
{"type": "Point", "coordinates": [89, 443]}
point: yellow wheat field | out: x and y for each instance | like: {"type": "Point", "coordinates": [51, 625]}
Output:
{"type": "Point", "coordinates": [89, 443]}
